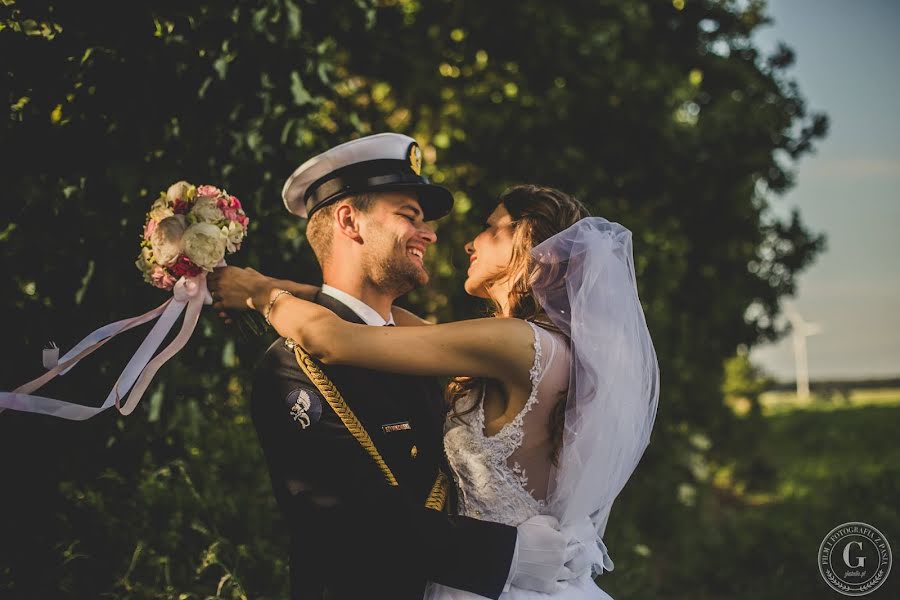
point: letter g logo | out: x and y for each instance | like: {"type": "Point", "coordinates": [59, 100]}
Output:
{"type": "Point", "coordinates": [855, 559]}
{"type": "Point", "coordinates": [861, 559]}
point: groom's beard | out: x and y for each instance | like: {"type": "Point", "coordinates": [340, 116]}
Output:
{"type": "Point", "coordinates": [396, 275]}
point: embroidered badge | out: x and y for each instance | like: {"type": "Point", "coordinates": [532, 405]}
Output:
{"type": "Point", "coordinates": [399, 426]}
{"type": "Point", "coordinates": [305, 406]}
{"type": "Point", "coordinates": [415, 158]}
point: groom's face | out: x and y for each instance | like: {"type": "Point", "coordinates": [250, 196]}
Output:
{"type": "Point", "coordinates": [396, 239]}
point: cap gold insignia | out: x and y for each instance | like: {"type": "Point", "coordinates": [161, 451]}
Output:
{"type": "Point", "coordinates": [415, 159]}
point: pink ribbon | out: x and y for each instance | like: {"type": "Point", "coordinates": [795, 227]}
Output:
{"type": "Point", "coordinates": [191, 293]}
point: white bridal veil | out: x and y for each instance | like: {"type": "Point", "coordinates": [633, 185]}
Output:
{"type": "Point", "coordinates": [585, 281]}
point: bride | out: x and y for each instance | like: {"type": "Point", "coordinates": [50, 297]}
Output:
{"type": "Point", "coordinates": [553, 399]}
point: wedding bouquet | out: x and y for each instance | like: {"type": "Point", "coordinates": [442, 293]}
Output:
{"type": "Point", "coordinates": [187, 233]}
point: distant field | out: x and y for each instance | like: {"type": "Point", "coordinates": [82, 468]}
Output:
{"type": "Point", "coordinates": [774, 403]}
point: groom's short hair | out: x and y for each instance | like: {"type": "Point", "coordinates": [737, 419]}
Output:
{"type": "Point", "coordinates": [320, 229]}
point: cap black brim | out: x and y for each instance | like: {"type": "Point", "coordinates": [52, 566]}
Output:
{"type": "Point", "coordinates": [436, 201]}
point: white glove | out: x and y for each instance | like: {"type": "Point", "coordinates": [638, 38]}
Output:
{"type": "Point", "coordinates": [580, 537]}
{"type": "Point", "coordinates": [540, 556]}
{"type": "Point", "coordinates": [585, 549]}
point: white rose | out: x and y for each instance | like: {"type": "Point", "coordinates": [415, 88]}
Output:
{"type": "Point", "coordinates": [167, 239]}
{"type": "Point", "coordinates": [204, 244]}
{"type": "Point", "coordinates": [234, 234]}
{"type": "Point", "coordinates": [206, 211]}
{"type": "Point", "coordinates": [179, 189]}
{"type": "Point", "coordinates": [160, 209]}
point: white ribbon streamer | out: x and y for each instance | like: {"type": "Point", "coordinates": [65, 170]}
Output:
{"type": "Point", "coordinates": [188, 293]}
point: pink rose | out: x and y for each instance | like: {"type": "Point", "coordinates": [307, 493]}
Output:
{"type": "Point", "coordinates": [149, 228]}
{"type": "Point", "coordinates": [231, 208]}
{"type": "Point", "coordinates": [161, 278]}
{"type": "Point", "coordinates": [210, 191]}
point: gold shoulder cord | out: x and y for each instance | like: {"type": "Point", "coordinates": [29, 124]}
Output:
{"type": "Point", "coordinates": [437, 498]}
{"type": "Point", "coordinates": [438, 495]}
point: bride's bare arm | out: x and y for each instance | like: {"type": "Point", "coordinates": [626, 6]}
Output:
{"type": "Point", "coordinates": [304, 291]}
{"type": "Point", "coordinates": [402, 317]}
{"type": "Point", "coordinates": [232, 288]}
{"type": "Point", "coordinates": [405, 318]}
{"type": "Point", "coordinates": [495, 348]}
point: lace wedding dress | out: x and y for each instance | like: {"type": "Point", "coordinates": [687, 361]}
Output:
{"type": "Point", "coordinates": [504, 477]}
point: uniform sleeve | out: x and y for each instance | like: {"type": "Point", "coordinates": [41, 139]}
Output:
{"type": "Point", "coordinates": [337, 502]}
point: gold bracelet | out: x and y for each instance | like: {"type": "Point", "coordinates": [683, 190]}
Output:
{"type": "Point", "coordinates": [272, 304]}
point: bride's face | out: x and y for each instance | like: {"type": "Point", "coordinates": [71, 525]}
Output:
{"type": "Point", "coordinates": [490, 252]}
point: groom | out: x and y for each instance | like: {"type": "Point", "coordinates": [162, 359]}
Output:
{"type": "Point", "coordinates": [354, 535]}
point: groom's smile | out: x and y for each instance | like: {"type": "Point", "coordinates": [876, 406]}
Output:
{"type": "Point", "coordinates": [418, 253]}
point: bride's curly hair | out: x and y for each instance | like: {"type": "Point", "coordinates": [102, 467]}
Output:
{"type": "Point", "coordinates": [538, 213]}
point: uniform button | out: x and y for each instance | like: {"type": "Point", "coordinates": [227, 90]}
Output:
{"type": "Point", "coordinates": [413, 452]}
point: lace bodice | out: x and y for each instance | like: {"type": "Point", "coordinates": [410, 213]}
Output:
{"type": "Point", "coordinates": [503, 477]}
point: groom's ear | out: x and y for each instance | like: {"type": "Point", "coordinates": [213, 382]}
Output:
{"type": "Point", "coordinates": [347, 220]}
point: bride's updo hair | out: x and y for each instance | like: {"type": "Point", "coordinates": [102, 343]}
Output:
{"type": "Point", "coordinates": [538, 213]}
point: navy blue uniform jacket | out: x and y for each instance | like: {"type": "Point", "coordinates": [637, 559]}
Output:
{"type": "Point", "coordinates": [352, 534]}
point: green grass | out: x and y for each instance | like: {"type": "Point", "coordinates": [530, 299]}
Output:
{"type": "Point", "coordinates": [819, 464]}
{"type": "Point", "coordinates": [834, 462]}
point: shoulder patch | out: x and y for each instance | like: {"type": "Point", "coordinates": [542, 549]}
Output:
{"type": "Point", "coordinates": [304, 404]}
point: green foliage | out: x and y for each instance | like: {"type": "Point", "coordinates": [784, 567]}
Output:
{"type": "Point", "coordinates": [743, 379]}
{"type": "Point", "coordinates": [662, 116]}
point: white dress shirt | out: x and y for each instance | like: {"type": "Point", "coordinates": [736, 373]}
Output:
{"type": "Point", "coordinates": [365, 312]}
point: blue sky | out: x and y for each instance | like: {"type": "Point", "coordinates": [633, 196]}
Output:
{"type": "Point", "coordinates": [847, 66]}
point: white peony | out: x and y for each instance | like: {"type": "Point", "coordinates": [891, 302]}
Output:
{"type": "Point", "coordinates": [167, 238]}
{"type": "Point", "coordinates": [234, 234]}
{"type": "Point", "coordinates": [205, 210]}
{"type": "Point", "coordinates": [204, 244]}
{"type": "Point", "coordinates": [179, 189]}
{"type": "Point", "coordinates": [160, 210]}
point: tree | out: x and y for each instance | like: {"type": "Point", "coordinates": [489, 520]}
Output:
{"type": "Point", "coordinates": [662, 116]}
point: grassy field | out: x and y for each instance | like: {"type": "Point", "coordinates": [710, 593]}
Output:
{"type": "Point", "coordinates": [819, 464]}
{"type": "Point", "coordinates": [834, 461]}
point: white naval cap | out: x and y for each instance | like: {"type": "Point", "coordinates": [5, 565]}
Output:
{"type": "Point", "coordinates": [386, 161]}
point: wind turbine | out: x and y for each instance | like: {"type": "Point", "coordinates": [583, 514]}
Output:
{"type": "Point", "coordinates": [800, 330]}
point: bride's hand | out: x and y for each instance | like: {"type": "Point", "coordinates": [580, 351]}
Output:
{"type": "Point", "coordinates": [233, 289]}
